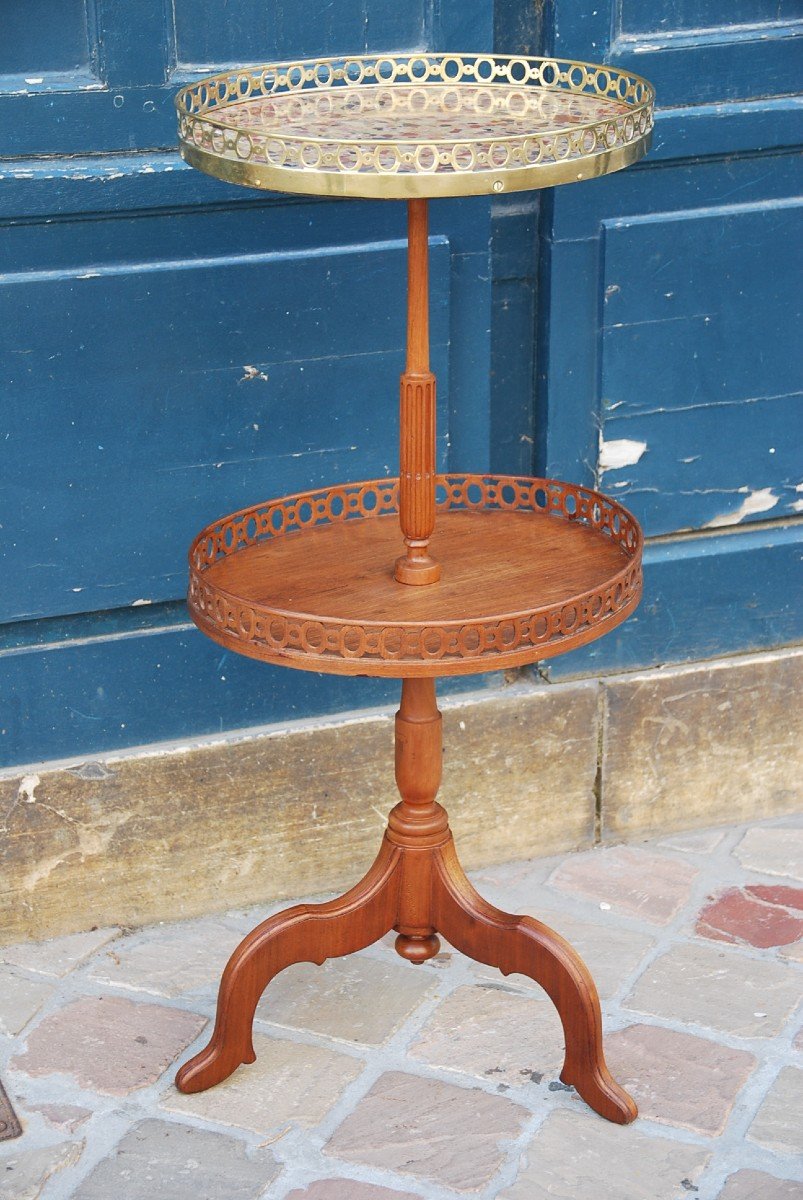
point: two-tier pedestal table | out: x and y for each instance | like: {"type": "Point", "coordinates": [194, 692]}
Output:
{"type": "Point", "coordinates": [424, 575]}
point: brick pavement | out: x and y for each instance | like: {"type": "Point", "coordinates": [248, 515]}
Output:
{"type": "Point", "coordinates": [376, 1080]}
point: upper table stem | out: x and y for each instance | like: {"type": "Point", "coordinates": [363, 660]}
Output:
{"type": "Point", "coordinates": [417, 414]}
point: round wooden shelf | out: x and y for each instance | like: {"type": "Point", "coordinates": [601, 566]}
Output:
{"type": "Point", "coordinates": [530, 568]}
{"type": "Point", "coordinates": [415, 125]}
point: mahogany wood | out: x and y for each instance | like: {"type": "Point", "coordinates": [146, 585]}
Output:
{"type": "Point", "coordinates": [306, 581]}
{"type": "Point", "coordinates": [417, 414]}
{"type": "Point", "coordinates": [519, 583]}
{"type": "Point", "coordinates": [418, 888]}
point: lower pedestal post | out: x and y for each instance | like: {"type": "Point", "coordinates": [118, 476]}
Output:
{"type": "Point", "coordinates": [417, 888]}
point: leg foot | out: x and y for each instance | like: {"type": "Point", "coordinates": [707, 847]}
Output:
{"type": "Point", "coordinates": [417, 949]}
{"type": "Point", "coordinates": [305, 933]}
{"type": "Point", "coordinates": [523, 945]}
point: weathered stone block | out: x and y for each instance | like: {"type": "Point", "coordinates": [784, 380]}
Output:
{"type": "Point", "coordinates": [354, 999]}
{"type": "Point", "coordinates": [632, 881]}
{"type": "Point", "coordinates": [20, 1000]}
{"type": "Point", "coordinates": [288, 1083]}
{"type": "Point", "coordinates": [109, 1044]}
{"type": "Point", "coordinates": [181, 834]}
{"type": "Point", "coordinates": [697, 745]}
{"type": "Point", "coordinates": [24, 1173]}
{"type": "Point", "coordinates": [436, 1132]}
{"type": "Point", "coordinates": [777, 1123]}
{"type": "Point", "coordinates": [752, 1185]}
{"type": "Point", "coordinates": [163, 1158]}
{"type": "Point", "coordinates": [494, 1034]}
{"type": "Point", "coordinates": [676, 1078]}
{"type": "Point", "coordinates": [346, 1189]}
{"type": "Point", "coordinates": [719, 989]}
{"type": "Point", "coordinates": [575, 1156]}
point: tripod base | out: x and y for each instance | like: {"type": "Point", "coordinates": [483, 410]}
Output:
{"type": "Point", "coordinates": [416, 887]}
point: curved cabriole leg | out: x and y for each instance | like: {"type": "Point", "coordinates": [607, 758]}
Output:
{"type": "Point", "coordinates": [524, 945]}
{"type": "Point", "coordinates": [305, 933]}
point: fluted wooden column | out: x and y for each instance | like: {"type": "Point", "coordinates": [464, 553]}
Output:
{"type": "Point", "coordinates": [417, 414]}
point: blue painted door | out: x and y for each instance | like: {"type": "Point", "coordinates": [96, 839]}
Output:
{"type": "Point", "coordinates": [174, 348]}
{"type": "Point", "coordinates": [669, 355]}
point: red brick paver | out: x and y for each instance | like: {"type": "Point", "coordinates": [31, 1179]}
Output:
{"type": "Point", "coordinates": [756, 915]}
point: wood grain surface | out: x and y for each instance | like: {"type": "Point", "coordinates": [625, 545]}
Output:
{"type": "Point", "coordinates": [518, 583]}
{"type": "Point", "coordinates": [418, 888]}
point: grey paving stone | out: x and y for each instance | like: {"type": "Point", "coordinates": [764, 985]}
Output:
{"type": "Point", "coordinates": [24, 1173]}
{"type": "Point", "coordinates": [169, 962]}
{"type": "Point", "coordinates": [793, 952]}
{"type": "Point", "coordinates": [778, 1124]}
{"type": "Point", "coordinates": [355, 999]}
{"type": "Point", "coordinates": [755, 1185]}
{"type": "Point", "coordinates": [347, 1189]}
{"type": "Point", "coordinates": [166, 1159]}
{"type": "Point", "coordinates": [700, 841]}
{"type": "Point", "coordinates": [431, 1130]}
{"type": "Point", "coordinates": [636, 882]}
{"type": "Point", "coordinates": [62, 1116]}
{"type": "Point", "coordinates": [676, 1078]}
{"type": "Point", "coordinates": [58, 956]}
{"type": "Point", "coordinates": [109, 1043]}
{"type": "Point", "coordinates": [508, 885]}
{"type": "Point", "coordinates": [494, 1034]}
{"type": "Point", "coordinates": [20, 1000]}
{"type": "Point", "coordinates": [773, 850]}
{"type": "Point", "coordinates": [718, 987]}
{"type": "Point", "coordinates": [289, 1084]}
{"type": "Point", "coordinates": [576, 1156]}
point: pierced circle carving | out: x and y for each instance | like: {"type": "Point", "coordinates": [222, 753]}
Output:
{"type": "Point", "coordinates": [419, 124]}
{"type": "Point", "coordinates": [374, 647]}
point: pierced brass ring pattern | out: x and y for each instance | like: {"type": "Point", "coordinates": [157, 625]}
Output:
{"type": "Point", "coordinates": [321, 644]}
{"type": "Point", "coordinates": [415, 125]}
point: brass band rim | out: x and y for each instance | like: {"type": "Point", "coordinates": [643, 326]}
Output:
{"type": "Point", "coordinates": [265, 177]}
{"type": "Point", "coordinates": [199, 101]}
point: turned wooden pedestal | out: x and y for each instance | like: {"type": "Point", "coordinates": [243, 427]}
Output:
{"type": "Point", "coordinates": [416, 887]}
{"type": "Point", "coordinates": [424, 575]}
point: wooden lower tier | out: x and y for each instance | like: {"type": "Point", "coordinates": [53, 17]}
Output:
{"type": "Point", "coordinates": [530, 568]}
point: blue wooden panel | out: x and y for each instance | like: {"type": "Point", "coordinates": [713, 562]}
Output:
{"type": "Point", "coordinates": [769, 124]}
{"type": "Point", "coordinates": [141, 52]}
{"type": "Point", "coordinates": [193, 228]}
{"type": "Point", "coordinates": [665, 16]}
{"type": "Point", "coordinates": [198, 385]}
{"type": "Point", "coordinates": [690, 61]}
{"type": "Point", "coordinates": [34, 43]}
{"type": "Point", "coordinates": [178, 347]}
{"type": "Point", "coordinates": [515, 269]}
{"type": "Point", "coordinates": [669, 325]}
{"type": "Point", "coordinates": [700, 366]}
{"type": "Point", "coordinates": [705, 596]}
{"type": "Point", "coordinates": [210, 33]}
{"type": "Point", "coordinates": [142, 225]}
{"type": "Point", "coordinates": [575, 279]}
{"type": "Point", "coordinates": [698, 69]}
{"type": "Point", "coordinates": [79, 698]}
